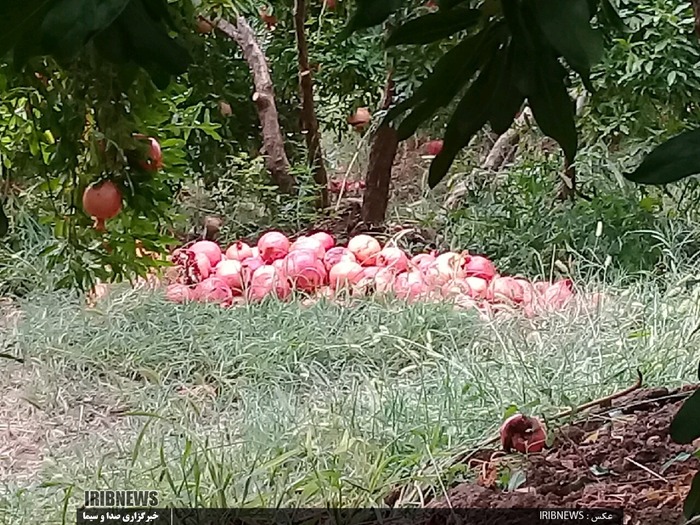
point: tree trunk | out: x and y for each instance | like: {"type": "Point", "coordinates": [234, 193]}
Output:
{"type": "Point", "coordinates": [696, 12]}
{"type": "Point", "coordinates": [264, 98]}
{"type": "Point", "coordinates": [381, 159]}
{"type": "Point", "coordinates": [309, 122]}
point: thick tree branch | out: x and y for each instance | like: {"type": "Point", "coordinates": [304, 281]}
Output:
{"type": "Point", "coordinates": [309, 122]}
{"type": "Point", "coordinates": [264, 98]}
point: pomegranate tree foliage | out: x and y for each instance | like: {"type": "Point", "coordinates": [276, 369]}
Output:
{"type": "Point", "coordinates": [511, 54]}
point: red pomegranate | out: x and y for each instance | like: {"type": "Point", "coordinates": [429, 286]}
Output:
{"type": "Point", "coordinates": [154, 160]}
{"type": "Point", "coordinates": [329, 4]}
{"type": "Point", "coordinates": [204, 27]}
{"type": "Point", "coordinates": [434, 147]}
{"type": "Point", "coordinates": [102, 201]}
{"type": "Point", "coordinates": [360, 119]}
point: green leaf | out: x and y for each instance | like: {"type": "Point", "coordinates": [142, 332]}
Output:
{"type": "Point", "coordinates": [70, 24]}
{"type": "Point", "coordinates": [434, 26]}
{"type": "Point", "coordinates": [455, 69]}
{"type": "Point", "coordinates": [470, 115]}
{"type": "Point", "coordinates": [150, 45]}
{"type": "Point", "coordinates": [511, 98]}
{"type": "Point", "coordinates": [691, 505]}
{"type": "Point", "coordinates": [672, 161]}
{"type": "Point", "coordinates": [4, 221]}
{"type": "Point", "coordinates": [567, 27]}
{"type": "Point", "coordinates": [17, 17]}
{"type": "Point", "coordinates": [552, 107]}
{"type": "Point", "coordinates": [685, 427]}
{"type": "Point", "coordinates": [369, 13]}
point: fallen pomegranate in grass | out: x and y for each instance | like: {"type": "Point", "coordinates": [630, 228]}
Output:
{"type": "Point", "coordinates": [213, 290]}
{"type": "Point", "coordinates": [478, 266]}
{"type": "Point", "coordinates": [268, 281]}
{"type": "Point", "coordinates": [326, 239]}
{"type": "Point", "coordinates": [505, 290]}
{"type": "Point", "coordinates": [305, 271]}
{"type": "Point", "coordinates": [231, 272]}
{"type": "Point", "coordinates": [239, 251]}
{"type": "Point", "coordinates": [250, 265]}
{"type": "Point", "coordinates": [392, 257]}
{"type": "Point", "coordinates": [102, 201]}
{"type": "Point", "coordinates": [523, 434]}
{"type": "Point", "coordinates": [210, 249]}
{"type": "Point", "coordinates": [365, 248]}
{"type": "Point", "coordinates": [178, 293]}
{"type": "Point", "coordinates": [308, 244]}
{"type": "Point", "coordinates": [409, 286]}
{"type": "Point", "coordinates": [558, 294]}
{"type": "Point", "coordinates": [422, 261]}
{"type": "Point", "coordinates": [337, 254]}
{"type": "Point", "coordinates": [345, 274]}
{"type": "Point", "coordinates": [272, 246]}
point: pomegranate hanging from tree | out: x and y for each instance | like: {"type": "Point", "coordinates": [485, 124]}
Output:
{"type": "Point", "coordinates": [102, 201]}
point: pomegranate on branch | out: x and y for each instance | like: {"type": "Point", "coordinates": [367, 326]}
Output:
{"type": "Point", "coordinates": [102, 201]}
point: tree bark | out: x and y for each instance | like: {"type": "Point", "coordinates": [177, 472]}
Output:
{"type": "Point", "coordinates": [696, 12]}
{"type": "Point", "coordinates": [381, 160]}
{"type": "Point", "coordinates": [309, 122]}
{"type": "Point", "coordinates": [264, 98]}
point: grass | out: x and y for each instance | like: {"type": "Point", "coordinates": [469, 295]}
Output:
{"type": "Point", "coordinates": [285, 404]}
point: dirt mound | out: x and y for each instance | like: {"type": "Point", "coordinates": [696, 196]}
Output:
{"type": "Point", "coordinates": [622, 458]}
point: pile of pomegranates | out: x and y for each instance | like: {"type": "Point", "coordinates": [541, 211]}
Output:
{"type": "Point", "coordinates": [315, 265]}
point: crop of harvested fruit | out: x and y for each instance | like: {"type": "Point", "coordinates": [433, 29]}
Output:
{"type": "Point", "coordinates": [316, 266]}
{"type": "Point", "coordinates": [102, 201]}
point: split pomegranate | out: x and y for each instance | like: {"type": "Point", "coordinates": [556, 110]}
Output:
{"type": "Point", "coordinates": [272, 246]}
{"type": "Point", "coordinates": [345, 274]}
{"type": "Point", "coordinates": [239, 251]}
{"type": "Point", "coordinates": [523, 434]}
{"type": "Point", "coordinates": [102, 201]}
{"type": "Point", "coordinates": [392, 257]}
{"type": "Point", "coordinates": [364, 248]}
{"type": "Point", "coordinates": [210, 249]}
{"type": "Point", "coordinates": [203, 264]}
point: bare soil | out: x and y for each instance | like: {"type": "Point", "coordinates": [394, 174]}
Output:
{"type": "Point", "coordinates": [621, 458]}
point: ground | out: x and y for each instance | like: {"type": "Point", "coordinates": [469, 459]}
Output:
{"type": "Point", "coordinates": [321, 404]}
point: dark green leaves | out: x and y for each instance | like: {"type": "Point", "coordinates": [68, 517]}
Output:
{"type": "Point", "coordinates": [434, 26]}
{"type": "Point", "coordinates": [17, 19]}
{"type": "Point", "coordinates": [691, 505]}
{"type": "Point", "coordinates": [70, 24]}
{"type": "Point", "coordinates": [685, 427]}
{"type": "Point", "coordinates": [566, 26]}
{"type": "Point", "coordinates": [370, 13]}
{"type": "Point", "coordinates": [672, 161]}
{"type": "Point", "coordinates": [552, 107]}
{"type": "Point", "coordinates": [469, 117]}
